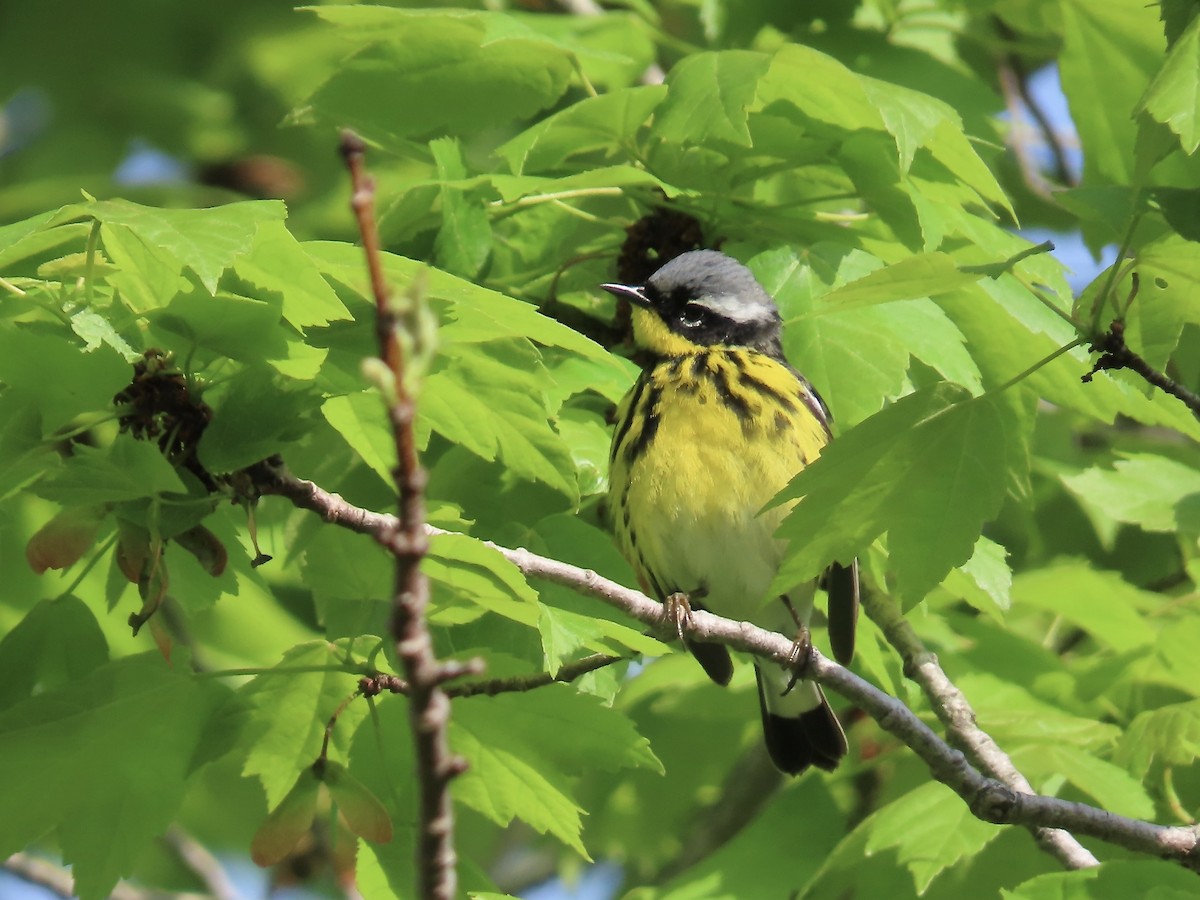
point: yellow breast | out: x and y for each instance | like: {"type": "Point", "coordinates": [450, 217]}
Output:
{"type": "Point", "coordinates": [702, 443]}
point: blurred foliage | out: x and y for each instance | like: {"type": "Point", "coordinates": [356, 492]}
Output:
{"type": "Point", "coordinates": [166, 322]}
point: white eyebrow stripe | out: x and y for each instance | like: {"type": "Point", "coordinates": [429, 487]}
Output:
{"type": "Point", "coordinates": [734, 308]}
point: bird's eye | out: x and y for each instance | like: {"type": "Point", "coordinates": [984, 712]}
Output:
{"type": "Point", "coordinates": [693, 316]}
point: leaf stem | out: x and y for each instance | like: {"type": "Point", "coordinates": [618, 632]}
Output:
{"type": "Point", "coordinates": [1054, 308]}
{"type": "Point", "coordinates": [278, 670]}
{"type": "Point", "coordinates": [11, 288]}
{"type": "Point", "coordinates": [89, 269]}
{"type": "Point", "coordinates": [1118, 266]}
{"type": "Point", "coordinates": [1016, 379]}
{"type": "Point", "coordinates": [535, 199]}
{"type": "Point", "coordinates": [89, 565]}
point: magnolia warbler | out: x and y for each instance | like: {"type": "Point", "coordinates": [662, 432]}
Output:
{"type": "Point", "coordinates": [716, 425]}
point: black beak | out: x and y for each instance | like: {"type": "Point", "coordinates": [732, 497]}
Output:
{"type": "Point", "coordinates": [635, 294]}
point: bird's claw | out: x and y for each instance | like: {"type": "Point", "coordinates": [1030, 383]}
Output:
{"type": "Point", "coordinates": [677, 610]}
{"type": "Point", "coordinates": [798, 657]}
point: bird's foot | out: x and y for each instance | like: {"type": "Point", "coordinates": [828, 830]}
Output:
{"type": "Point", "coordinates": [677, 611]}
{"type": "Point", "coordinates": [798, 657]}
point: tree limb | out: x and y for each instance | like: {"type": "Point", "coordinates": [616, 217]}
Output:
{"type": "Point", "coordinates": [748, 786]}
{"type": "Point", "coordinates": [373, 685]}
{"type": "Point", "coordinates": [1115, 354]}
{"type": "Point", "coordinates": [956, 714]}
{"type": "Point", "coordinates": [987, 798]}
{"type": "Point", "coordinates": [59, 881]}
{"type": "Point", "coordinates": [1014, 83]}
{"type": "Point", "coordinates": [428, 705]}
{"type": "Point", "coordinates": [203, 864]}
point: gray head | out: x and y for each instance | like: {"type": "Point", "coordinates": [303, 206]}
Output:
{"type": "Point", "coordinates": [709, 299]}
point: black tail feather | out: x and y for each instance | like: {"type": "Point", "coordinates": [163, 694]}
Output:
{"type": "Point", "coordinates": [794, 743]}
{"type": "Point", "coordinates": [714, 659]}
{"type": "Point", "coordinates": [841, 583]}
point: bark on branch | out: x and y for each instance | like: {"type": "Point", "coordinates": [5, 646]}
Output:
{"type": "Point", "coordinates": [987, 797]}
{"type": "Point", "coordinates": [406, 538]}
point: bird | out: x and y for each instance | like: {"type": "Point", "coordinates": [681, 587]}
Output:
{"type": "Point", "coordinates": [715, 426]}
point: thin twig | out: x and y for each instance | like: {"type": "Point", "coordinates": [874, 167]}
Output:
{"type": "Point", "coordinates": [521, 683]}
{"type": "Point", "coordinates": [60, 882]}
{"type": "Point", "coordinates": [428, 707]}
{"type": "Point", "coordinates": [372, 685]}
{"type": "Point", "coordinates": [1115, 354]}
{"type": "Point", "coordinates": [956, 714]}
{"type": "Point", "coordinates": [1014, 83]}
{"type": "Point", "coordinates": [203, 864]}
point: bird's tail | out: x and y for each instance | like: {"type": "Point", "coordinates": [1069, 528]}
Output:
{"type": "Point", "coordinates": [798, 726]}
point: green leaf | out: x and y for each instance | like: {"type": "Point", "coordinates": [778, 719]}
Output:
{"type": "Point", "coordinates": [604, 124]}
{"type": "Point", "coordinates": [206, 241]}
{"type": "Point", "coordinates": [352, 579]}
{"type": "Point", "coordinates": [565, 633]}
{"type": "Point", "coordinates": [502, 786]}
{"type": "Point", "coordinates": [1110, 786]}
{"type": "Point", "coordinates": [83, 381]}
{"type": "Point", "coordinates": [931, 829]}
{"type": "Point", "coordinates": [129, 469]}
{"type": "Point", "coordinates": [32, 236]}
{"type": "Point", "coordinates": [487, 400]}
{"type": "Point", "coordinates": [517, 771]}
{"type": "Point", "coordinates": [1013, 715]}
{"type": "Point", "coordinates": [708, 95]}
{"type": "Point", "coordinates": [103, 762]}
{"type": "Point", "coordinates": [491, 69]}
{"type": "Point", "coordinates": [1173, 97]}
{"type": "Point", "coordinates": [1167, 299]}
{"type": "Point", "coordinates": [147, 276]}
{"type": "Point", "coordinates": [923, 275]}
{"type": "Point", "coordinates": [478, 576]}
{"type": "Point", "coordinates": [278, 265]}
{"type": "Point", "coordinates": [57, 643]}
{"type": "Point", "coordinates": [860, 356]}
{"type": "Point", "coordinates": [255, 414]}
{"type": "Point", "coordinates": [469, 314]}
{"type": "Point", "coordinates": [1114, 880]}
{"type": "Point", "coordinates": [465, 238]}
{"type": "Point", "coordinates": [244, 328]}
{"type": "Point", "coordinates": [1153, 492]}
{"type": "Point", "coordinates": [929, 470]}
{"type": "Point", "coordinates": [984, 580]}
{"type": "Point", "coordinates": [1168, 736]}
{"type": "Point", "coordinates": [593, 182]}
{"type": "Point", "coordinates": [803, 816]}
{"type": "Point", "coordinates": [290, 709]}
{"type": "Point", "coordinates": [826, 92]}
{"type": "Point", "coordinates": [1110, 51]}
{"type": "Point", "coordinates": [1100, 603]}
{"type": "Point", "coordinates": [362, 421]}
{"type": "Point", "coordinates": [1009, 329]}
{"type": "Point", "coordinates": [909, 116]}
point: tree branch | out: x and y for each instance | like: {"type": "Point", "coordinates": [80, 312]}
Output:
{"type": "Point", "coordinates": [988, 798]}
{"type": "Point", "coordinates": [60, 882]}
{"type": "Point", "coordinates": [1014, 84]}
{"type": "Point", "coordinates": [428, 706]}
{"type": "Point", "coordinates": [373, 685]}
{"type": "Point", "coordinates": [748, 786]}
{"type": "Point", "coordinates": [956, 714]}
{"type": "Point", "coordinates": [1115, 354]}
{"type": "Point", "coordinates": [203, 864]}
